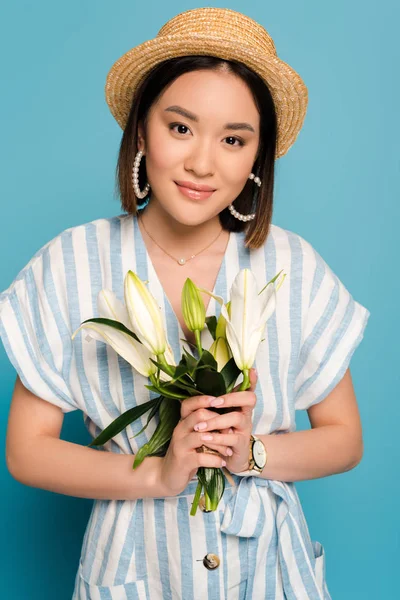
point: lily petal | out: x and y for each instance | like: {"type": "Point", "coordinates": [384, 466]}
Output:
{"type": "Point", "coordinates": [245, 306]}
{"type": "Point", "coordinates": [225, 313]}
{"type": "Point", "coordinates": [266, 295]}
{"type": "Point", "coordinates": [144, 314]}
{"type": "Point", "coordinates": [234, 345]}
{"type": "Point", "coordinates": [110, 307]}
{"type": "Point", "coordinates": [219, 299]}
{"type": "Point", "coordinates": [249, 312]}
{"type": "Point", "coordinates": [133, 352]}
{"type": "Point", "coordinates": [269, 307]}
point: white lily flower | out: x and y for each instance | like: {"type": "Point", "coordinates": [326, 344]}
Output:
{"type": "Point", "coordinates": [109, 307]}
{"type": "Point", "coordinates": [144, 314]}
{"type": "Point", "coordinates": [248, 315]}
{"type": "Point", "coordinates": [134, 352]}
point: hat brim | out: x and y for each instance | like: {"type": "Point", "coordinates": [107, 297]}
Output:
{"type": "Point", "coordinates": [287, 88]}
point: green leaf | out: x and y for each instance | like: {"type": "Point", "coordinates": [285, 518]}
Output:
{"type": "Point", "coordinates": [151, 415]}
{"type": "Point", "coordinates": [210, 382]}
{"type": "Point", "coordinates": [207, 358]}
{"type": "Point", "coordinates": [196, 499]}
{"type": "Point", "coordinates": [141, 455]}
{"type": "Point", "coordinates": [211, 323]}
{"type": "Point", "coordinates": [180, 371]}
{"type": "Point", "coordinates": [189, 343]}
{"type": "Point", "coordinates": [169, 412]}
{"type": "Point", "coordinates": [165, 391]}
{"type": "Point", "coordinates": [160, 451]}
{"type": "Point", "coordinates": [213, 481]}
{"type": "Point", "coordinates": [190, 389]}
{"type": "Point", "coordinates": [230, 373]}
{"type": "Point", "coordinates": [112, 323]}
{"type": "Point", "coordinates": [177, 379]}
{"type": "Point", "coordinates": [122, 421]}
{"type": "Point", "coordinates": [190, 361]}
{"type": "Point", "coordinates": [163, 367]}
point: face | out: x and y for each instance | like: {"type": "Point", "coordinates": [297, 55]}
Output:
{"type": "Point", "coordinates": [213, 144]}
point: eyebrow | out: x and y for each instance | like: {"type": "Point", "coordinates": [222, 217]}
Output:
{"type": "Point", "coordinates": [192, 117]}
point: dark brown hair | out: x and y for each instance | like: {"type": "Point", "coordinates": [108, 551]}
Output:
{"type": "Point", "coordinates": [251, 198]}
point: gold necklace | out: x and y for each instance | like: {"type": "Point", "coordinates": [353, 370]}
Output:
{"type": "Point", "coordinates": [181, 261]}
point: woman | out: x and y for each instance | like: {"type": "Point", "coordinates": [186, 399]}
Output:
{"type": "Point", "coordinates": [206, 108]}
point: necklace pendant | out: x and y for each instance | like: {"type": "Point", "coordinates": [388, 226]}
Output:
{"type": "Point", "coordinates": [181, 261]}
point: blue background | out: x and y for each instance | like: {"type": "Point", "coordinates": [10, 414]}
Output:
{"type": "Point", "coordinates": [338, 187]}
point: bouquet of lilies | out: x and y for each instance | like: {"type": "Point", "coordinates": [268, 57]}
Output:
{"type": "Point", "coordinates": [136, 332]}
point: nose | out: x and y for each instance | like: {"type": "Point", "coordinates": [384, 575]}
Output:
{"type": "Point", "coordinates": [200, 159]}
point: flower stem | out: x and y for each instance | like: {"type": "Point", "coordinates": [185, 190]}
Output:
{"type": "Point", "coordinates": [196, 499]}
{"type": "Point", "coordinates": [161, 359]}
{"type": "Point", "coordinates": [246, 381]}
{"type": "Point", "coordinates": [198, 341]}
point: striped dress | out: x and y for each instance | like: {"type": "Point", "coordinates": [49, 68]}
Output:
{"type": "Point", "coordinates": [152, 549]}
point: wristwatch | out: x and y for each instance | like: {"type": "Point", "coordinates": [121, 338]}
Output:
{"type": "Point", "coordinates": [257, 457]}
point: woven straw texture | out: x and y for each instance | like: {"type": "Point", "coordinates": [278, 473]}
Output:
{"type": "Point", "coordinates": [220, 32]}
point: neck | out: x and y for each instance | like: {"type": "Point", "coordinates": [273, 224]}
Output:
{"type": "Point", "coordinates": [174, 236]}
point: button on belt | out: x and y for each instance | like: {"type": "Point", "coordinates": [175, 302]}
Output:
{"type": "Point", "coordinates": [211, 561]}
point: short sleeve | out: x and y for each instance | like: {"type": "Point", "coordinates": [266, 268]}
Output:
{"type": "Point", "coordinates": [35, 332]}
{"type": "Point", "coordinates": [334, 326]}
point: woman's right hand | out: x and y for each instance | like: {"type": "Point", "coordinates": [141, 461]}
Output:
{"type": "Point", "coordinates": [182, 459]}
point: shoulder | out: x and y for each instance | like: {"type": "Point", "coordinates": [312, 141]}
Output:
{"type": "Point", "coordinates": [293, 253]}
{"type": "Point", "coordinates": [57, 257]}
{"type": "Point", "coordinates": [100, 227]}
{"type": "Point", "coordinates": [286, 240]}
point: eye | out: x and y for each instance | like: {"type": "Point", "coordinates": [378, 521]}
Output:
{"type": "Point", "coordinates": [173, 125]}
{"type": "Point", "coordinates": [241, 142]}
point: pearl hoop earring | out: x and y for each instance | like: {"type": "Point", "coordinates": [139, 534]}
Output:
{"type": "Point", "coordinates": [237, 214]}
{"type": "Point", "coordinates": [135, 178]}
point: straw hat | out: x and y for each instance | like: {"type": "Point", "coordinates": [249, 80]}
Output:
{"type": "Point", "coordinates": [218, 32]}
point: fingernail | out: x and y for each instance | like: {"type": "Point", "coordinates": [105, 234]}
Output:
{"type": "Point", "coordinates": [230, 430]}
{"type": "Point", "coordinates": [217, 401]}
{"type": "Point", "coordinates": [200, 426]}
{"type": "Point", "coordinates": [223, 463]}
{"type": "Point", "coordinates": [229, 452]}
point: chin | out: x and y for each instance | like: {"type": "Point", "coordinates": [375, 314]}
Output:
{"type": "Point", "coordinates": [193, 218]}
{"type": "Point", "coordinates": [191, 215]}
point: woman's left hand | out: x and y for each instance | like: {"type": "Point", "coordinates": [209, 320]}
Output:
{"type": "Point", "coordinates": [233, 429]}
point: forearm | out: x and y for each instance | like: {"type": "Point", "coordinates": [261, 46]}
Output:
{"type": "Point", "coordinates": [74, 470]}
{"type": "Point", "coordinates": [310, 454]}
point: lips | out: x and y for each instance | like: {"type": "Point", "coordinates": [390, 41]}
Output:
{"type": "Point", "coordinates": [194, 194]}
{"type": "Point", "coordinates": [195, 186]}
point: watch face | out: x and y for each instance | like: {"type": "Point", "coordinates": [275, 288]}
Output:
{"type": "Point", "coordinates": [259, 453]}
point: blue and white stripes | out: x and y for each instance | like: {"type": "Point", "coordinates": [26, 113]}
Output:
{"type": "Point", "coordinates": [152, 549]}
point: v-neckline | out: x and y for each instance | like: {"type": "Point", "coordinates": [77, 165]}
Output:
{"type": "Point", "coordinates": [164, 294]}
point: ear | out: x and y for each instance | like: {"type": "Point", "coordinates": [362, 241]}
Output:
{"type": "Point", "coordinates": [141, 138]}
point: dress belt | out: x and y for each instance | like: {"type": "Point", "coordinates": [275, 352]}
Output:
{"type": "Point", "coordinates": [244, 516]}
{"type": "Point", "coordinates": [244, 513]}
